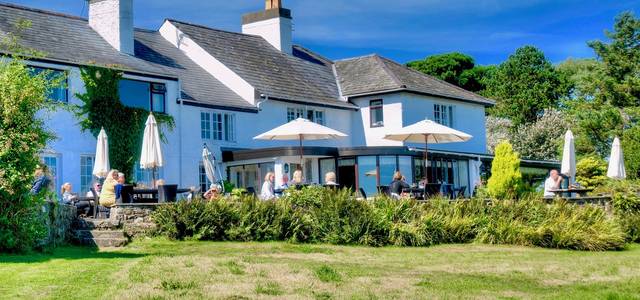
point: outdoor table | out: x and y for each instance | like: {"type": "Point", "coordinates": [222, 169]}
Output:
{"type": "Point", "coordinates": [145, 195]}
{"type": "Point", "coordinates": [582, 192]}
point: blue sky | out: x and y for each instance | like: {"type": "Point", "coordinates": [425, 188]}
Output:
{"type": "Point", "coordinates": [403, 30]}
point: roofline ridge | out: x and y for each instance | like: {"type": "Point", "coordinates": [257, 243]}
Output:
{"type": "Point", "coordinates": [211, 28]}
{"type": "Point", "coordinates": [356, 57]}
{"type": "Point", "coordinates": [42, 11]}
{"type": "Point", "coordinates": [381, 60]}
{"type": "Point", "coordinates": [437, 79]}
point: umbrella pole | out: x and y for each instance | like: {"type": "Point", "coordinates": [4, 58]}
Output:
{"type": "Point", "coordinates": [153, 177]}
{"type": "Point", "coordinates": [301, 160]}
{"type": "Point", "coordinates": [426, 162]}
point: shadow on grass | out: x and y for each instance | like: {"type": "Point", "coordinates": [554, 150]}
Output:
{"type": "Point", "coordinates": [67, 253]}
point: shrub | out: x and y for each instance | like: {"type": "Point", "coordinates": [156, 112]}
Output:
{"type": "Point", "coordinates": [506, 179]}
{"type": "Point", "coordinates": [591, 171]}
{"type": "Point", "coordinates": [626, 205]}
{"type": "Point", "coordinates": [22, 138]}
{"type": "Point", "coordinates": [336, 217]}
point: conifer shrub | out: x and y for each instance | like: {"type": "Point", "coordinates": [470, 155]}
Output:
{"type": "Point", "coordinates": [591, 171]}
{"type": "Point", "coordinates": [506, 180]}
{"type": "Point", "coordinates": [316, 215]}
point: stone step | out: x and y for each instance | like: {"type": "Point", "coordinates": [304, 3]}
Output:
{"type": "Point", "coordinates": [97, 224]}
{"type": "Point", "coordinates": [107, 234]}
{"type": "Point", "coordinates": [104, 242]}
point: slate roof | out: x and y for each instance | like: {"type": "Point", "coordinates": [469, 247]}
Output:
{"type": "Point", "coordinates": [303, 76]}
{"type": "Point", "coordinates": [374, 74]}
{"type": "Point", "coordinates": [197, 84]}
{"type": "Point", "coordinates": [69, 39]}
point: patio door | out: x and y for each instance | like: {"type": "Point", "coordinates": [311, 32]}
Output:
{"type": "Point", "coordinates": [347, 173]}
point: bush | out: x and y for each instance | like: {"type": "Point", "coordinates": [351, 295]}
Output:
{"type": "Point", "coordinates": [506, 179]}
{"type": "Point", "coordinates": [22, 138]}
{"type": "Point", "coordinates": [336, 217]}
{"type": "Point", "coordinates": [626, 205]}
{"type": "Point", "coordinates": [591, 171]}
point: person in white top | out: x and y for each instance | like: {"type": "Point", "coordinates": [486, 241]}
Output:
{"type": "Point", "coordinates": [267, 192]}
{"type": "Point", "coordinates": [552, 183]}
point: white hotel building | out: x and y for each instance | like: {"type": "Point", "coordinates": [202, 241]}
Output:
{"type": "Point", "coordinates": [223, 88]}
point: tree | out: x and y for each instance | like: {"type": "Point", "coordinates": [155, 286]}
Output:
{"type": "Point", "coordinates": [506, 179]}
{"type": "Point", "coordinates": [591, 171]}
{"type": "Point", "coordinates": [22, 137]}
{"type": "Point", "coordinates": [524, 86]}
{"type": "Point", "coordinates": [539, 140]}
{"type": "Point", "coordinates": [455, 68]}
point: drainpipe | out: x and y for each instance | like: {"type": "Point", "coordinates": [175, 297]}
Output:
{"type": "Point", "coordinates": [180, 131]}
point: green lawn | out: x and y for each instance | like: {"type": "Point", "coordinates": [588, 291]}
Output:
{"type": "Point", "coordinates": [160, 269]}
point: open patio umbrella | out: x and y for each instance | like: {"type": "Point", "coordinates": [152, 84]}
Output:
{"type": "Point", "coordinates": [300, 129]}
{"type": "Point", "coordinates": [428, 132]}
{"type": "Point", "coordinates": [616, 161]}
{"type": "Point", "coordinates": [568, 167]}
{"type": "Point", "coordinates": [151, 157]}
{"type": "Point", "coordinates": [101, 164]}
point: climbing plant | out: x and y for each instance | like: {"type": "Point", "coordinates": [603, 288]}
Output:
{"type": "Point", "coordinates": [101, 108]}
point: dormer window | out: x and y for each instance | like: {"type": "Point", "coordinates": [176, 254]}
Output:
{"type": "Point", "coordinates": [376, 113]}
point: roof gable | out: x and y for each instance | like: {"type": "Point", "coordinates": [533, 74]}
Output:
{"type": "Point", "coordinates": [374, 74]}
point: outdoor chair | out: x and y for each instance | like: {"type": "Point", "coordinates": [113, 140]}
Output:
{"type": "Point", "coordinates": [461, 191]}
{"type": "Point", "coordinates": [167, 193]}
{"type": "Point", "coordinates": [251, 191]}
{"type": "Point", "coordinates": [363, 193]}
{"type": "Point", "coordinates": [431, 190]}
{"type": "Point", "coordinates": [99, 210]}
{"type": "Point", "coordinates": [126, 194]}
{"type": "Point", "coordinates": [384, 190]}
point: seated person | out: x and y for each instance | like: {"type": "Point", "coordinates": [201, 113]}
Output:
{"type": "Point", "coordinates": [330, 178]}
{"type": "Point", "coordinates": [297, 178]}
{"type": "Point", "coordinates": [97, 187]}
{"type": "Point", "coordinates": [397, 185]}
{"type": "Point", "coordinates": [108, 193]}
{"type": "Point", "coordinates": [70, 198]}
{"type": "Point", "coordinates": [285, 182]}
{"type": "Point", "coordinates": [212, 193]}
{"type": "Point", "coordinates": [120, 184]}
{"type": "Point", "coordinates": [552, 183]}
{"type": "Point", "coordinates": [267, 192]}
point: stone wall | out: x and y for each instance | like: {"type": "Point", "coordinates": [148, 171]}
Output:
{"type": "Point", "coordinates": [134, 219]}
{"type": "Point", "coordinates": [58, 219]}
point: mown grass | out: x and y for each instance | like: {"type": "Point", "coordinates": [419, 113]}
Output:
{"type": "Point", "coordinates": [162, 269]}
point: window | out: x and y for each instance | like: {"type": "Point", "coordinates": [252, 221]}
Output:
{"type": "Point", "coordinates": [326, 165]}
{"type": "Point", "coordinates": [86, 173]}
{"type": "Point", "coordinates": [142, 176]}
{"type": "Point", "coordinates": [59, 93]}
{"type": "Point", "coordinates": [204, 181]}
{"type": "Point", "coordinates": [443, 114]}
{"type": "Point", "coordinates": [142, 94]}
{"type": "Point", "coordinates": [368, 174]}
{"type": "Point", "coordinates": [312, 115]}
{"type": "Point", "coordinates": [205, 125]}
{"type": "Point", "coordinates": [224, 126]}
{"type": "Point", "coordinates": [52, 164]}
{"type": "Point", "coordinates": [375, 113]}
{"type": "Point", "coordinates": [230, 127]}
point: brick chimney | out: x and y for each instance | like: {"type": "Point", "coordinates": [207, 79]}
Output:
{"type": "Point", "coordinates": [113, 20]}
{"type": "Point", "coordinates": [274, 24]}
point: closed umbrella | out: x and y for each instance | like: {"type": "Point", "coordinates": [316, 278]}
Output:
{"type": "Point", "coordinates": [568, 167]}
{"type": "Point", "coordinates": [209, 164]}
{"type": "Point", "coordinates": [474, 174]}
{"type": "Point", "coordinates": [101, 165]}
{"type": "Point", "coordinates": [151, 157]}
{"type": "Point", "coordinates": [428, 132]}
{"type": "Point", "coordinates": [616, 161]}
{"type": "Point", "coordinates": [300, 129]}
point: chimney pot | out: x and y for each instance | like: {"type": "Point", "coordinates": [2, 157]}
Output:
{"type": "Point", "coordinates": [113, 21]}
{"type": "Point", "coordinates": [273, 4]}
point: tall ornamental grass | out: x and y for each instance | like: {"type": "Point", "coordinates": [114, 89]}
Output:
{"type": "Point", "coordinates": [316, 215]}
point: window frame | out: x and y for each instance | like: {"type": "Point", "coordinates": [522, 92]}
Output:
{"type": "Point", "coordinates": [65, 82]}
{"type": "Point", "coordinates": [373, 108]}
{"type": "Point", "coordinates": [85, 187]}
{"type": "Point", "coordinates": [205, 125]}
{"type": "Point", "coordinates": [444, 112]}
{"type": "Point", "coordinates": [152, 91]}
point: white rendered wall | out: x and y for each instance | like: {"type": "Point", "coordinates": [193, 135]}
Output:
{"type": "Point", "coordinates": [71, 142]}
{"type": "Point", "coordinates": [277, 31]}
{"type": "Point", "coordinates": [113, 20]}
{"type": "Point", "coordinates": [403, 109]}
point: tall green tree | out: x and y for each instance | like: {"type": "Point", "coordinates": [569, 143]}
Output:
{"type": "Point", "coordinates": [455, 68]}
{"type": "Point", "coordinates": [524, 86]}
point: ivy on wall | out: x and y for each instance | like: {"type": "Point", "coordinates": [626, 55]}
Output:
{"type": "Point", "coordinates": [101, 108]}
